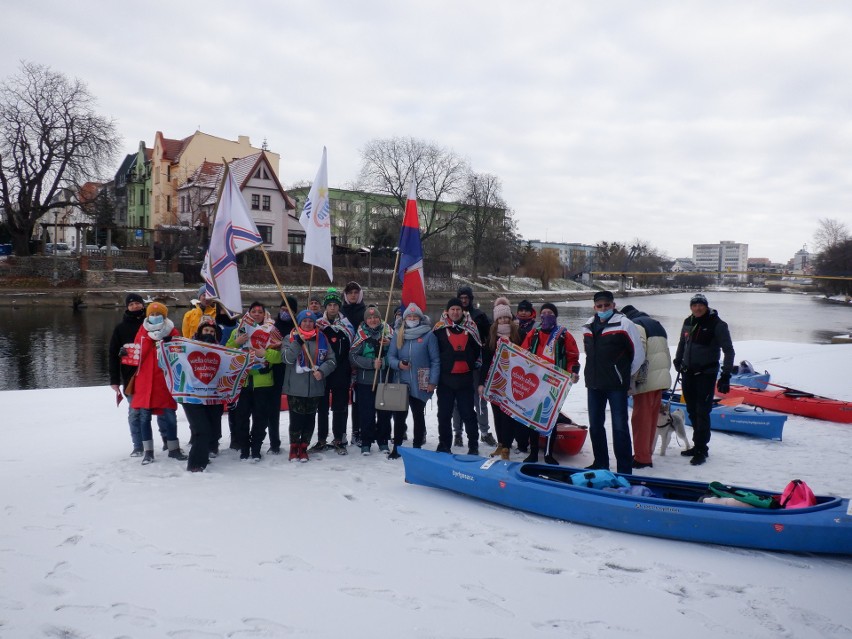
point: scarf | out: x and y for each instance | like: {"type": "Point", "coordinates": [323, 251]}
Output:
{"type": "Point", "coordinates": [339, 325]}
{"type": "Point", "coordinates": [158, 332]}
{"type": "Point", "coordinates": [466, 324]}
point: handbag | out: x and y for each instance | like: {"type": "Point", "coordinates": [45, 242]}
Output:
{"type": "Point", "coordinates": [392, 397]}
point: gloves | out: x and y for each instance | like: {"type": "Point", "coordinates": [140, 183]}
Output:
{"type": "Point", "coordinates": [724, 383]}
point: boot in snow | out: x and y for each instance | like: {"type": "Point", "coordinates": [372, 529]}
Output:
{"type": "Point", "coordinates": [148, 456]}
{"type": "Point", "coordinates": [303, 453]}
{"type": "Point", "coordinates": [174, 450]}
{"type": "Point", "coordinates": [394, 454]}
{"type": "Point", "coordinates": [294, 452]}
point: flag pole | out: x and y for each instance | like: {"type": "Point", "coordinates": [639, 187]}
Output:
{"type": "Point", "coordinates": [310, 286]}
{"type": "Point", "coordinates": [286, 303]}
{"type": "Point", "coordinates": [387, 312]}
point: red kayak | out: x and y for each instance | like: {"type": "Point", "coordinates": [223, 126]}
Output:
{"type": "Point", "coordinates": [795, 402]}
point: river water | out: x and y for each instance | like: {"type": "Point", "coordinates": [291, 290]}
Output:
{"type": "Point", "coordinates": [58, 347]}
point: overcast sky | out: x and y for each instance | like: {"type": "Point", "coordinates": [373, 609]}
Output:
{"type": "Point", "coordinates": [674, 122]}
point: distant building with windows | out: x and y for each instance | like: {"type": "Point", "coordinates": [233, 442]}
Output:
{"type": "Point", "coordinates": [683, 265]}
{"type": "Point", "coordinates": [575, 256]}
{"type": "Point", "coordinates": [724, 256]}
{"type": "Point", "coordinates": [802, 262]}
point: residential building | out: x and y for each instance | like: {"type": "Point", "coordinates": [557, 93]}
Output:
{"type": "Point", "coordinates": [576, 257]}
{"type": "Point", "coordinates": [174, 161]}
{"type": "Point", "coordinates": [271, 208]}
{"type": "Point", "coordinates": [802, 262]}
{"type": "Point", "coordinates": [138, 184]}
{"type": "Point", "coordinates": [724, 257]}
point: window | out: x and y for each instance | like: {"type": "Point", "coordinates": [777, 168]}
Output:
{"type": "Point", "coordinates": [261, 174]}
{"type": "Point", "coordinates": [255, 202]}
{"type": "Point", "coordinates": [142, 198]}
{"type": "Point", "coordinates": [265, 233]}
{"type": "Point", "coordinates": [168, 204]}
{"type": "Point", "coordinates": [267, 203]}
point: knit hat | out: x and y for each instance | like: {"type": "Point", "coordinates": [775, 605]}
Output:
{"type": "Point", "coordinates": [292, 301]}
{"type": "Point", "coordinates": [156, 308]}
{"type": "Point", "coordinates": [315, 297]}
{"type": "Point", "coordinates": [525, 305]}
{"type": "Point", "coordinates": [502, 308]}
{"type": "Point", "coordinates": [550, 306]}
{"type": "Point", "coordinates": [306, 314]}
{"type": "Point", "coordinates": [412, 309]}
{"type": "Point", "coordinates": [603, 295]}
{"type": "Point", "coordinates": [698, 298]}
{"type": "Point", "coordinates": [133, 297]}
{"type": "Point", "coordinates": [202, 290]}
{"type": "Point", "coordinates": [454, 301]}
{"type": "Point", "coordinates": [332, 297]}
{"type": "Point", "coordinates": [352, 286]}
{"type": "Point", "coordinates": [372, 309]}
{"type": "Point", "coordinates": [465, 290]}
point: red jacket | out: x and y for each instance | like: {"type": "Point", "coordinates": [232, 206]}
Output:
{"type": "Point", "coordinates": [150, 390]}
{"type": "Point", "coordinates": [560, 351]}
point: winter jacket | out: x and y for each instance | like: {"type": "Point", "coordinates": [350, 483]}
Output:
{"type": "Point", "coordinates": [459, 350]}
{"type": "Point", "coordinates": [124, 333]}
{"type": "Point", "coordinates": [558, 347]}
{"type": "Point", "coordinates": [259, 377]}
{"type": "Point", "coordinates": [420, 348]}
{"type": "Point", "coordinates": [192, 318]}
{"type": "Point", "coordinates": [614, 352]}
{"type": "Point", "coordinates": [339, 335]}
{"type": "Point", "coordinates": [150, 390]}
{"type": "Point", "coordinates": [365, 349]}
{"type": "Point", "coordinates": [658, 357]}
{"type": "Point", "coordinates": [701, 340]}
{"type": "Point", "coordinates": [355, 312]}
{"type": "Point", "coordinates": [481, 320]}
{"type": "Point", "coordinates": [299, 380]}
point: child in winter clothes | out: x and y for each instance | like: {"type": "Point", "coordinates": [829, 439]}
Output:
{"type": "Point", "coordinates": [150, 393]}
{"type": "Point", "coordinates": [309, 361]}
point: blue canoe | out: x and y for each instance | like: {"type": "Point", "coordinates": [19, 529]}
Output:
{"type": "Point", "coordinates": [673, 512]}
{"type": "Point", "coordinates": [752, 380]}
{"type": "Point", "coordinates": [743, 419]}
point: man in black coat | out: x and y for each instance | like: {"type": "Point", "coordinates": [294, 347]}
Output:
{"type": "Point", "coordinates": [121, 357]}
{"type": "Point", "coordinates": [702, 337]}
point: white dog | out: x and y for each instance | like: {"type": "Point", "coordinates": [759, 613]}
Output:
{"type": "Point", "coordinates": [669, 422]}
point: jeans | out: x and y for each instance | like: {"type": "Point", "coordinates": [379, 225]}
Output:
{"type": "Point", "coordinates": [166, 422]}
{"type": "Point", "coordinates": [134, 420]}
{"type": "Point", "coordinates": [621, 445]}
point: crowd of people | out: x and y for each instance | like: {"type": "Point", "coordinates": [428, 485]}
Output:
{"type": "Point", "coordinates": [331, 355]}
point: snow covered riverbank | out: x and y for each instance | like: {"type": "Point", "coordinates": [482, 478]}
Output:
{"type": "Point", "coordinates": [95, 545]}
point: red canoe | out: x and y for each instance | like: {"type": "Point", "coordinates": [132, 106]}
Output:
{"type": "Point", "coordinates": [795, 402]}
{"type": "Point", "coordinates": [569, 439]}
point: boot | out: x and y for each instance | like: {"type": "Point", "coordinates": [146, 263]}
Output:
{"type": "Point", "coordinates": [303, 453]}
{"type": "Point", "coordinates": [319, 447]}
{"type": "Point", "coordinates": [148, 455]}
{"type": "Point", "coordinates": [244, 452]}
{"type": "Point", "coordinates": [136, 452]}
{"type": "Point", "coordinates": [488, 438]}
{"type": "Point", "coordinates": [498, 452]}
{"type": "Point", "coordinates": [532, 458]}
{"type": "Point", "coordinates": [504, 454]}
{"type": "Point", "coordinates": [174, 450]}
{"type": "Point", "coordinates": [550, 459]}
{"type": "Point", "coordinates": [294, 452]}
{"type": "Point", "coordinates": [394, 454]}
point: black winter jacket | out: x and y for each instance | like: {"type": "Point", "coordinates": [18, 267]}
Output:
{"type": "Point", "coordinates": [124, 333]}
{"type": "Point", "coordinates": [471, 354]}
{"type": "Point", "coordinates": [701, 340]}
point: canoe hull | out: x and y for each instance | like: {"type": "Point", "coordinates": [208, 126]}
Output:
{"type": "Point", "coordinates": [745, 420]}
{"type": "Point", "coordinates": [786, 400]}
{"type": "Point", "coordinates": [825, 528]}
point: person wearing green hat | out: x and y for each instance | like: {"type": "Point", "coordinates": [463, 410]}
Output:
{"type": "Point", "coordinates": [339, 333]}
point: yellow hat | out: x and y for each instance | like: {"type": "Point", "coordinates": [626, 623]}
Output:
{"type": "Point", "coordinates": [156, 308]}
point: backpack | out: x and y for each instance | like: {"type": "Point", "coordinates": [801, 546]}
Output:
{"type": "Point", "coordinates": [745, 496]}
{"type": "Point", "coordinates": [797, 494]}
{"type": "Point", "coordinates": [598, 479]}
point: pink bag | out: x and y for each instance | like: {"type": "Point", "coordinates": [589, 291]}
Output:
{"type": "Point", "coordinates": [797, 494]}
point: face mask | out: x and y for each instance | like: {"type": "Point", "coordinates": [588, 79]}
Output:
{"type": "Point", "coordinates": [605, 315]}
{"type": "Point", "coordinates": [284, 315]}
{"type": "Point", "coordinates": [504, 330]}
{"type": "Point", "coordinates": [155, 320]}
{"type": "Point", "coordinates": [411, 323]}
{"type": "Point", "coordinates": [210, 339]}
{"type": "Point", "coordinates": [548, 322]}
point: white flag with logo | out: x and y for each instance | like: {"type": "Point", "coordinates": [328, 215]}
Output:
{"type": "Point", "coordinates": [316, 220]}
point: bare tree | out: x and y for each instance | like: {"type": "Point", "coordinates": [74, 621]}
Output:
{"type": "Point", "coordinates": [50, 137]}
{"type": "Point", "coordinates": [389, 165]}
{"type": "Point", "coordinates": [830, 233]}
{"type": "Point", "coordinates": [481, 227]}
{"type": "Point", "coordinates": [543, 264]}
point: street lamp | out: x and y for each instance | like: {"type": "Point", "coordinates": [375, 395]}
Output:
{"type": "Point", "coordinates": [55, 247]}
{"type": "Point", "coordinates": [369, 251]}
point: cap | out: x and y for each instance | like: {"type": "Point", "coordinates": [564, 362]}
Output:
{"type": "Point", "coordinates": [332, 297]}
{"type": "Point", "coordinates": [133, 297]}
{"type": "Point", "coordinates": [525, 305]}
{"type": "Point", "coordinates": [698, 298]}
{"type": "Point", "coordinates": [306, 314]}
{"type": "Point", "coordinates": [454, 301]}
{"type": "Point", "coordinates": [607, 296]}
{"type": "Point", "coordinates": [156, 308]}
{"type": "Point", "coordinates": [548, 305]}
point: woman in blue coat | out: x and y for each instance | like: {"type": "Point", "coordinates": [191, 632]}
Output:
{"type": "Point", "coordinates": [415, 357]}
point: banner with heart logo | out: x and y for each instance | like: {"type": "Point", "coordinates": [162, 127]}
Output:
{"type": "Point", "coordinates": [201, 373]}
{"type": "Point", "coordinates": [527, 387]}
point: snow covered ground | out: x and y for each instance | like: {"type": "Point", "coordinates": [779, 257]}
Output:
{"type": "Point", "coordinates": [93, 544]}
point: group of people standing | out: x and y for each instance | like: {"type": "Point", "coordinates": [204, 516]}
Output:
{"type": "Point", "coordinates": [335, 351]}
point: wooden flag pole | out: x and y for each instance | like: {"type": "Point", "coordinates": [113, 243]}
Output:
{"type": "Point", "coordinates": [310, 286]}
{"type": "Point", "coordinates": [286, 303]}
{"type": "Point", "coordinates": [387, 312]}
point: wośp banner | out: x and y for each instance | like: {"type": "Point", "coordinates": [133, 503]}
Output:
{"type": "Point", "coordinates": [201, 373]}
{"type": "Point", "coordinates": [527, 387]}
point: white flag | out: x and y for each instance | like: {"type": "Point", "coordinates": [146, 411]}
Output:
{"type": "Point", "coordinates": [316, 220]}
{"type": "Point", "coordinates": [233, 232]}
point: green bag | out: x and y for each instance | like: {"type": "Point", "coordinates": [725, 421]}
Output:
{"type": "Point", "coordinates": [745, 496]}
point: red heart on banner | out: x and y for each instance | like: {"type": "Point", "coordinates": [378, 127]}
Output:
{"type": "Point", "coordinates": [259, 339]}
{"type": "Point", "coordinates": [204, 365]}
{"type": "Point", "coordinates": [523, 384]}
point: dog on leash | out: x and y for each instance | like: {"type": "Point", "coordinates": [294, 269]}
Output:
{"type": "Point", "coordinates": [669, 422]}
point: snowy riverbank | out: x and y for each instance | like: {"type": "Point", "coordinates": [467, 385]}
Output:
{"type": "Point", "coordinates": [95, 545]}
